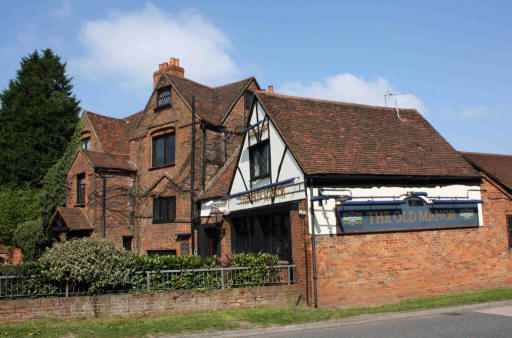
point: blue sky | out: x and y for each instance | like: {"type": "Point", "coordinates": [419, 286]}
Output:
{"type": "Point", "coordinates": [455, 57]}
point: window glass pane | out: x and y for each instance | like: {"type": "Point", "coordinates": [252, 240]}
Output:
{"type": "Point", "coordinates": [80, 189]}
{"type": "Point", "coordinates": [164, 209]}
{"type": "Point", "coordinates": [86, 143]}
{"type": "Point", "coordinates": [260, 160]}
{"type": "Point", "coordinates": [264, 162]}
{"type": "Point", "coordinates": [169, 149]}
{"type": "Point", "coordinates": [163, 97]}
{"type": "Point", "coordinates": [255, 161]}
{"type": "Point", "coordinates": [158, 151]}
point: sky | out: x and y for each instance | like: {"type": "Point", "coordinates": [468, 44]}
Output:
{"type": "Point", "coordinates": [452, 59]}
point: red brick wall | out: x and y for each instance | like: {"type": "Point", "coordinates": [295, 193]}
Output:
{"type": "Point", "coordinates": [118, 203]}
{"type": "Point", "coordinates": [146, 304]}
{"type": "Point", "coordinates": [177, 177]}
{"type": "Point", "coordinates": [383, 268]}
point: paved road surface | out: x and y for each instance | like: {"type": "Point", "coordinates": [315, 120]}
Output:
{"type": "Point", "coordinates": [491, 322]}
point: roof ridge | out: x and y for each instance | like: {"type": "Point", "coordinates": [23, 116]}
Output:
{"type": "Point", "coordinates": [132, 115]}
{"type": "Point", "coordinates": [108, 117]}
{"type": "Point", "coordinates": [487, 154]}
{"type": "Point", "coordinates": [236, 82]}
{"type": "Point", "coordinates": [284, 96]}
{"type": "Point", "coordinates": [187, 79]}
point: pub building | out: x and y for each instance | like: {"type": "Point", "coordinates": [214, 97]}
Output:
{"type": "Point", "coordinates": [370, 203]}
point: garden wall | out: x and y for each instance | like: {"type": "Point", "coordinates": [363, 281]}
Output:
{"type": "Point", "coordinates": [146, 304]}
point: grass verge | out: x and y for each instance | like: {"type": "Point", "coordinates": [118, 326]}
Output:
{"type": "Point", "coordinates": [232, 319]}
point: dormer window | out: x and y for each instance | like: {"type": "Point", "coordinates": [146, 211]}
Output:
{"type": "Point", "coordinates": [163, 97]}
{"type": "Point", "coordinates": [86, 143]}
{"type": "Point", "coordinates": [259, 156]}
{"type": "Point", "coordinates": [163, 150]}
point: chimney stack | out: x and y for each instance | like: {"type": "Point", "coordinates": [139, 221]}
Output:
{"type": "Point", "coordinates": [271, 89]}
{"type": "Point", "coordinates": [172, 67]}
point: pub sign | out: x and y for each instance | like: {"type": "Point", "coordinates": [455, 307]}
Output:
{"type": "Point", "coordinates": [413, 214]}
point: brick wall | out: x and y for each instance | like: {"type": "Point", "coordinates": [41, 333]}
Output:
{"type": "Point", "coordinates": [382, 268]}
{"type": "Point", "coordinates": [146, 304]}
{"type": "Point", "coordinates": [175, 180]}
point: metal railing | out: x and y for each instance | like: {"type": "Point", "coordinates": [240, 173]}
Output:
{"type": "Point", "coordinates": [147, 281]}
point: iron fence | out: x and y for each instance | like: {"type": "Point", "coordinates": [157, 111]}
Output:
{"type": "Point", "coordinates": [148, 281]}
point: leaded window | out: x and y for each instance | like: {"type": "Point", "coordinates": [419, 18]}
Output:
{"type": "Point", "coordinates": [80, 189]}
{"type": "Point", "coordinates": [509, 224]}
{"type": "Point", "coordinates": [248, 99]}
{"type": "Point", "coordinates": [86, 143]}
{"type": "Point", "coordinates": [163, 150]}
{"type": "Point", "coordinates": [164, 209]}
{"type": "Point", "coordinates": [163, 97]}
{"type": "Point", "coordinates": [259, 155]}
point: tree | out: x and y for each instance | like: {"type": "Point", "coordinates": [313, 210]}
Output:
{"type": "Point", "coordinates": [38, 115]}
{"type": "Point", "coordinates": [31, 238]}
{"type": "Point", "coordinates": [54, 190]}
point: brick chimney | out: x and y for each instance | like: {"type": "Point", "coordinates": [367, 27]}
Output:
{"type": "Point", "coordinates": [172, 67]}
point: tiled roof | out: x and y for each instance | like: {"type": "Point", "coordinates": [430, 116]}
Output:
{"type": "Point", "coordinates": [108, 160]}
{"type": "Point", "coordinates": [113, 134]}
{"type": "Point", "coordinates": [220, 184]}
{"type": "Point", "coordinates": [497, 166]}
{"type": "Point", "coordinates": [74, 218]}
{"type": "Point", "coordinates": [342, 138]}
{"type": "Point", "coordinates": [212, 103]}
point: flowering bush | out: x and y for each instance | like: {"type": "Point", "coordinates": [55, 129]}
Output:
{"type": "Point", "coordinates": [97, 265]}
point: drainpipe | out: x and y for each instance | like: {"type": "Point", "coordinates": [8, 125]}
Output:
{"type": "Point", "coordinates": [103, 207]}
{"type": "Point", "coordinates": [313, 243]}
{"type": "Point", "coordinates": [192, 173]}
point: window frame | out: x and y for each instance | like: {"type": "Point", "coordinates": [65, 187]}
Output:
{"type": "Point", "coordinates": [80, 198]}
{"type": "Point", "coordinates": [509, 230]}
{"type": "Point", "coordinates": [86, 141]}
{"type": "Point", "coordinates": [165, 162]}
{"type": "Point", "coordinates": [159, 91]}
{"type": "Point", "coordinates": [257, 147]}
{"type": "Point", "coordinates": [156, 205]}
{"type": "Point", "coordinates": [248, 98]}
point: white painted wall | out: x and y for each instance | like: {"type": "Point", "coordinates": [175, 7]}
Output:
{"type": "Point", "coordinates": [289, 168]}
{"type": "Point", "coordinates": [325, 215]}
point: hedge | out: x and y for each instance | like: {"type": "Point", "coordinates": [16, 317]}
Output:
{"type": "Point", "coordinates": [97, 266]}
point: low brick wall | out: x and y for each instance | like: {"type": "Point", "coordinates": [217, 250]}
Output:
{"type": "Point", "coordinates": [146, 304]}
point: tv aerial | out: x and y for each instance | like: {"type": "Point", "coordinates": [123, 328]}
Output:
{"type": "Point", "coordinates": [392, 96]}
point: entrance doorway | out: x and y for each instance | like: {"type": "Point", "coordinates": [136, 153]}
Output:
{"type": "Point", "coordinates": [208, 237]}
{"type": "Point", "coordinates": [263, 232]}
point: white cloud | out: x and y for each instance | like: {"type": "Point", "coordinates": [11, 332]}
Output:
{"type": "Point", "coordinates": [63, 9]}
{"type": "Point", "coordinates": [350, 88]}
{"type": "Point", "coordinates": [128, 46]}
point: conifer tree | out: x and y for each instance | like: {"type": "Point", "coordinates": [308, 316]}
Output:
{"type": "Point", "coordinates": [38, 115]}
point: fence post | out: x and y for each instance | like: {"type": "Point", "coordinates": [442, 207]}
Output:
{"type": "Point", "coordinates": [148, 280]}
{"type": "Point", "coordinates": [222, 277]}
{"type": "Point", "coordinates": [67, 289]}
{"type": "Point", "coordinates": [289, 275]}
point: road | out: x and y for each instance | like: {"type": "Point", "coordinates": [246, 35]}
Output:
{"type": "Point", "coordinates": [489, 322]}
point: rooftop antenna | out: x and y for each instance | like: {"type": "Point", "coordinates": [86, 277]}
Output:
{"type": "Point", "coordinates": [392, 96]}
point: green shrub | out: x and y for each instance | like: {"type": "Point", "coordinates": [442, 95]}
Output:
{"type": "Point", "coordinates": [31, 238]}
{"type": "Point", "coordinates": [17, 205]}
{"type": "Point", "coordinates": [252, 260]}
{"type": "Point", "coordinates": [97, 265]}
